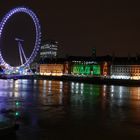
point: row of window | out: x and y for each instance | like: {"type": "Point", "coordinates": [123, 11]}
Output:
{"type": "Point", "coordinates": [48, 53]}
{"type": "Point", "coordinates": [126, 69]}
{"type": "Point", "coordinates": [53, 47]}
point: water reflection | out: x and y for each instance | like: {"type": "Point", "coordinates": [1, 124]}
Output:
{"type": "Point", "coordinates": [52, 92]}
{"type": "Point", "coordinates": [45, 103]}
{"type": "Point", "coordinates": [55, 92]}
{"type": "Point", "coordinates": [81, 92]}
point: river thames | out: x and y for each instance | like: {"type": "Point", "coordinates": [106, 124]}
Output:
{"type": "Point", "coordinates": [53, 110]}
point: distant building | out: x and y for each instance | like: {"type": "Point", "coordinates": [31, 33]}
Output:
{"type": "Point", "coordinates": [55, 67]}
{"type": "Point", "coordinates": [125, 68]}
{"type": "Point", "coordinates": [125, 72]}
{"type": "Point", "coordinates": [49, 49]}
{"type": "Point", "coordinates": [99, 66]}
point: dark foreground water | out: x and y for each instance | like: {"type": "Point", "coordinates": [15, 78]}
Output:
{"type": "Point", "coordinates": [56, 110]}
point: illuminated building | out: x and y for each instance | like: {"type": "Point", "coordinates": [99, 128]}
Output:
{"type": "Point", "coordinates": [125, 71]}
{"type": "Point", "coordinates": [51, 69]}
{"type": "Point", "coordinates": [58, 66]}
{"type": "Point", "coordinates": [106, 66]}
{"type": "Point", "coordinates": [125, 68]}
{"type": "Point", "coordinates": [89, 66]}
{"type": "Point", "coordinates": [49, 49]}
{"type": "Point", "coordinates": [86, 69]}
{"type": "Point", "coordinates": [75, 65]}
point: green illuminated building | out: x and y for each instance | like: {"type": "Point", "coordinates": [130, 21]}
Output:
{"type": "Point", "coordinates": [86, 69]}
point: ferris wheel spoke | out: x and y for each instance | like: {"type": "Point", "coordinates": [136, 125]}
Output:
{"type": "Point", "coordinates": [20, 54]}
{"type": "Point", "coordinates": [25, 58]}
{"type": "Point", "coordinates": [21, 51]}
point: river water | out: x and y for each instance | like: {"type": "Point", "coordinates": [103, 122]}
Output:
{"type": "Point", "coordinates": [53, 110]}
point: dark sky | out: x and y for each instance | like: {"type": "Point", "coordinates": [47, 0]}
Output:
{"type": "Point", "coordinates": [112, 26]}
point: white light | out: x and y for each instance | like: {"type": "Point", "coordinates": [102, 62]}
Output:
{"type": "Point", "coordinates": [120, 90]}
{"type": "Point", "coordinates": [76, 92]}
{"type": "Point", "coordinates": [119, 77]}
{"type": "Point", "coordinates": [112, 88]}
{"type": "Point", "coordinates": [120, 95]}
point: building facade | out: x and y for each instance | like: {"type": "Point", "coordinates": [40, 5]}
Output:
{"type": "Point", "coordinates": [52, 69]}
{"type": "Point", "coordinates": [119, 68]}
{"type": "Point", "coordinates": [49, 49]}
{"type": "Point", "coordinates": [125, 71]}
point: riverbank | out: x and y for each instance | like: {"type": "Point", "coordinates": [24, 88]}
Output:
{"type": "Point", "coordinates": [92, 80]}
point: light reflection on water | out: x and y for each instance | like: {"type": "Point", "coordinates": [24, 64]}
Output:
{"type": "Point", "coordinates": [44, 104]}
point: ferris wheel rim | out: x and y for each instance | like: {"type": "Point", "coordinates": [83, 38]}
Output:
{"type": "Point", "coordinates": [37, 34]}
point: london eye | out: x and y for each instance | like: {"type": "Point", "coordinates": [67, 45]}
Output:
{"type": "Point", "coordinates": [24, 60]}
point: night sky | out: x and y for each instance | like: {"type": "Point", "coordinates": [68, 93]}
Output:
{"type": "Point", "coordinates": [112, 27]}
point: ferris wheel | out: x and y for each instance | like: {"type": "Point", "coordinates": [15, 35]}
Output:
{"type": "Point", "coordinates": [29, 60]}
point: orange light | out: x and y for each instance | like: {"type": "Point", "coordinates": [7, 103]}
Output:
{"type": "Point", "coordinates": [105, 69]}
